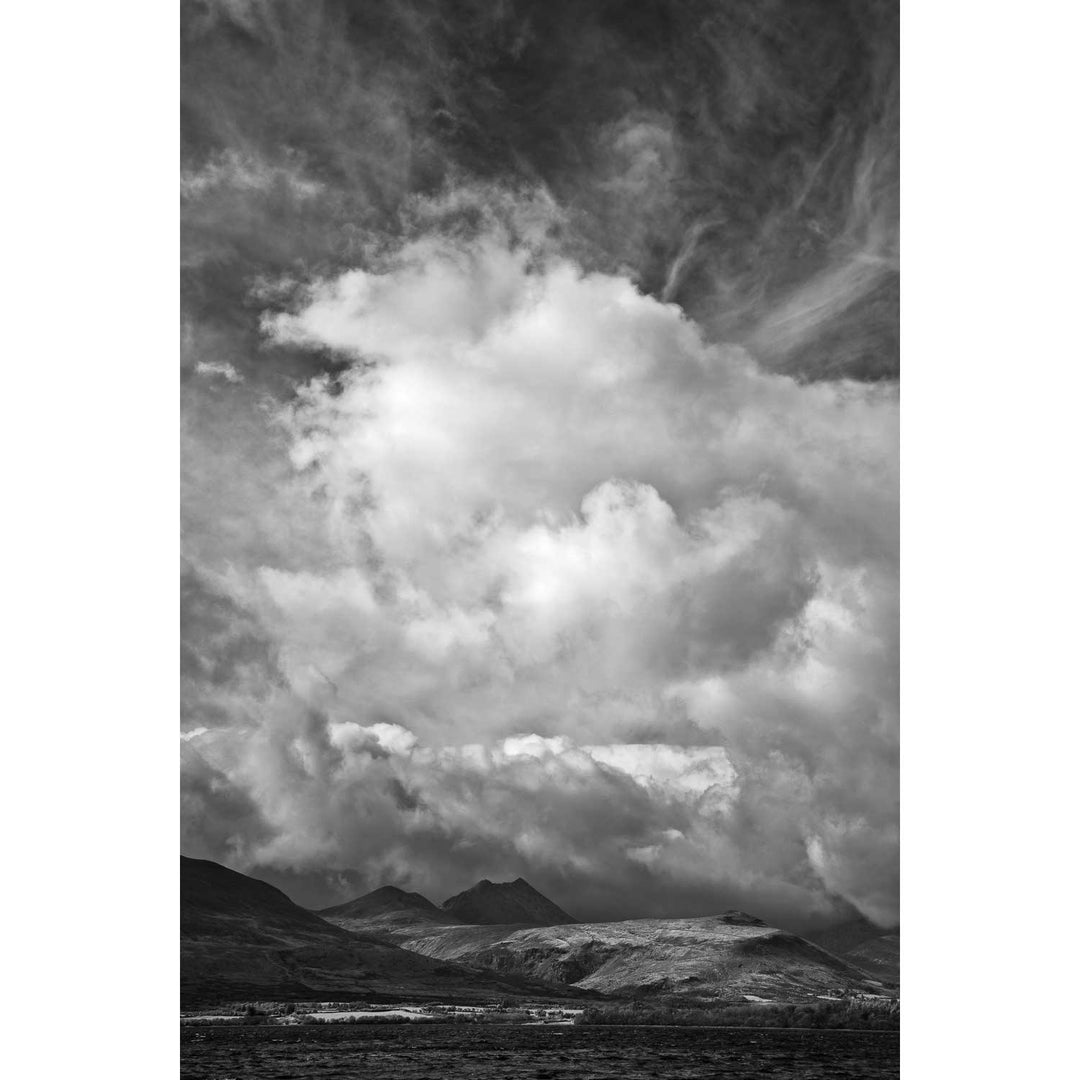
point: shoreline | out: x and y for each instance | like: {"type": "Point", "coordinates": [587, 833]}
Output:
{"type": "Point", "coordinates": [589, 1027]}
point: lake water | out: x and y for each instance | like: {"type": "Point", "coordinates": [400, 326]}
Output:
{"type": "Point", "coordinates": [487, 1052]}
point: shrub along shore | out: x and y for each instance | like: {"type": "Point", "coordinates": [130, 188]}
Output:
{"type": "Point", "coordinates": [864, 1014]}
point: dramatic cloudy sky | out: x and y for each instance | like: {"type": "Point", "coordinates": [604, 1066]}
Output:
{"type": "Point", "coordinates": [540, 458]}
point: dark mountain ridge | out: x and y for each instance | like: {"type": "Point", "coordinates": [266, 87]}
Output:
{"type": "Point", "coordinates": [242, 938]}
{"type": "Point", "coordinates": [871, 948]}
{"type": "Point", "coordinates": [505, 903]}
{"type": "Point", "coordinates": [385, 909]}
{"type": "Point", "coordinates": [387, 900]}
{"type": "Point", "coordinates": [213, 897]}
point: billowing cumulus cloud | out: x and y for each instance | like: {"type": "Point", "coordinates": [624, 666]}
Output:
{"type": "Point", "coordinates": [592, 596]}
{"type": "Point", "coordinates": [540, 453]}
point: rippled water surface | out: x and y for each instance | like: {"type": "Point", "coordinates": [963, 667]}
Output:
{"type": "Point", "coordinates": [482, 1052]}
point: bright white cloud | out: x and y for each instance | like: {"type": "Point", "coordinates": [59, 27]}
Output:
{"type": "Point", "coordinates": [593, 592]}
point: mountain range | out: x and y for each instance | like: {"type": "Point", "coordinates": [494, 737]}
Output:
{"type": "Point", "coordinates": [242, 938]}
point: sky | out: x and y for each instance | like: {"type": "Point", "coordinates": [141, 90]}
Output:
{"type": "Point", "coordinates": [540, 387]}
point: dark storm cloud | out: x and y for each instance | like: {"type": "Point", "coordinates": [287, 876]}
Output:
{"type": "Point", "coordinates": [217, 819]}
{"type": "Point", "coordinates": [511, 547]}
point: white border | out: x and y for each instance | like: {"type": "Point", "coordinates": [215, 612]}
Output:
{"type": "Point", "coordinates": [90, 606]}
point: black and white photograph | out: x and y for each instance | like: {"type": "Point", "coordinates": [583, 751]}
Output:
{"type": "Point", "coordinates": [539, 497]}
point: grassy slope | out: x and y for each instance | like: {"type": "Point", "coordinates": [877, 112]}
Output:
{"type": "Point", "coordinates": [719, 957]}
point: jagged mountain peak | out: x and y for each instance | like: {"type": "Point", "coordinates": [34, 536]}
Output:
{"type": "Point", "coordinates": [507, 902]}
{"type": "Point", "coordinates": [382, 901]}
